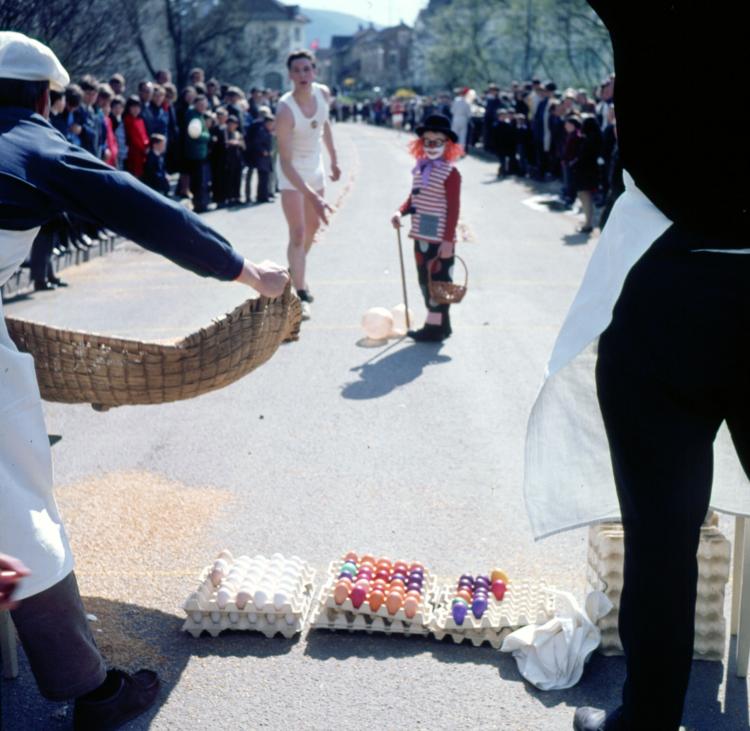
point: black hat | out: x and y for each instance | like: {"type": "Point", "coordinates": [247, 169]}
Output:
{"type": "Point", "coordinates": [437, 123]}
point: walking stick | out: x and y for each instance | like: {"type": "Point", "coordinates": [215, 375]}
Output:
{"type": "Point", "coordinates": [403, 277]}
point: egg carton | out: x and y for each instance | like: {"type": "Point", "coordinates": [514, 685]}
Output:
{"type": "Point", "coordinates": [207, 611]}
{"type": "Point", "coordinates": [422, 616]}
{"type": "Point", "coordinates": [525, 602]}
{"type": "Point", "coordinates": [605, 573]}
{"type": "Point", "coordinates": [337, 620]}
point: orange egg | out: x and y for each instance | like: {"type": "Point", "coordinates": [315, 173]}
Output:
{"type": "Point", "coordinates": [465, 595]}
{"type": "Point", "coordinates": [379, 584]}
{"type": "Point", "coordinates": [368, 558]}
{"type": "Point", "coordinates": [393, 602]}
{"type": "Point", "coordinates": [397, 585]}
{"type": "Point", "coordinates": [414, 593]}
{"type": "Point", "coordinates": [383, 561]}
{"type": "Point", "coordinates": [376, 599]}
{"type": "Point", "coordinates": [351, 556]}
{"type": "Point", "coordinates": [410, 606]}
{"type": "Point", "coordinates": [342, 591]}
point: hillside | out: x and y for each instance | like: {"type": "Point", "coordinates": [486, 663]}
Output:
{"type": "Point", "coordinates": [327, 23]}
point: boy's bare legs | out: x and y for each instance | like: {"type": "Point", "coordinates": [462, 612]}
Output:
{"type": "Point", "coordinates": [312, 225]}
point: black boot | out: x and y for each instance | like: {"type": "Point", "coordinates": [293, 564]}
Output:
{"type": "Point", "coordinates": [130, 696]}
{"type": "Point", "coordinates": [428, 334]}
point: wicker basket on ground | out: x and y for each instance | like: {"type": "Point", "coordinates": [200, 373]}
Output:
{"type": "Point", "coordinates": [79, 367]}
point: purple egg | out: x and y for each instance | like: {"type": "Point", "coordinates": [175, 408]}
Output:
{"type": "Point", "coordinates": [416, 572]}
{"type": "Point", "coordinates": [413, 586]}
{"type": "Point", "coordinates": [347, 575]}
{"type": "Point", "coordinates": [468, 577]}
{"type": "Point", "coordinates": [399, 575]}
{"type": "Point", "coordinates": [459, 610]}
{"type": "Point", "coordinates": [481, 581]}
{"type": "Point", "coordinates": [466, 582]}
{"type": "Point", "coordinates": [478, 607]}
{"type": "Point", "coordinates": [485, 579]}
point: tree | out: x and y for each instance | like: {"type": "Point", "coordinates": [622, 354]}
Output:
{"type": "Point", "coordinates": [472, 42]}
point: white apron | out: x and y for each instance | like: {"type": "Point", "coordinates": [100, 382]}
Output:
{"type": "Point", "coordinates": [568, 479]}
{"type": "Point", "coordinates": [30, 525]}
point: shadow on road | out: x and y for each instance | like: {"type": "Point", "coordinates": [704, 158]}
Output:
{"type": "Point", "coordinates": [131, 637]}
{"type": "Point", "coordinates": [576, 239]}
{"type": "Point", "coordinates": [378, 376]}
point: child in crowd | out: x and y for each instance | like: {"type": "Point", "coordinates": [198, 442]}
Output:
{"type": "Point", "coordinates": [504, 141]}
{"type": "Point", "coordinates": [260, 152]}
{"type": "Point", "coordinates": [117, 108]}
{"type": "Point", "coordinates": [218, 157]}
{"type": "Point", "coordinates": [434, 205]}
{"type": "Point", "coordinates": [136, 137]}
{"type": "Point", "coordinates": [155, 172]}
{"type": "Point", "coordinates": [524, 144]}
{"type": "Point", "coordinates": [235, 154]}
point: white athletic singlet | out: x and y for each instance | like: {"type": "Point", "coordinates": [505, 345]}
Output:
{"type": "Point", "coordinates": [307, 151]}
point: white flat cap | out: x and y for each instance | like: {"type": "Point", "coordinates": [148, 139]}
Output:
{"type": "Point", "coordinates": [24, 58]}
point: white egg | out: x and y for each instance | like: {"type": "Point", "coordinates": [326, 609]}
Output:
{"type": "Point", "coordinates": [226, 555]}
{"type": "Point", "coordinates": [260, 598]}
{"type": "Point", "coordinates": [195, 128]}
{"type": "Point", "coordinates": [223, 597]}
{"type": "Point", "coordinates": [279, 599]}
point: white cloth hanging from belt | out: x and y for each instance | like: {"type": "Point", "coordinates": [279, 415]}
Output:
{"type": "Point", "coordinates": [30, 524]}
{"type": "Point", "coordinates": [568, 479]}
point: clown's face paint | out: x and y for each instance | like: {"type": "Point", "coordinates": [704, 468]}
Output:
{"type": "Point", "coordinates": [433, 153]}
{"type": "Point", "coordinates": [434, 145]}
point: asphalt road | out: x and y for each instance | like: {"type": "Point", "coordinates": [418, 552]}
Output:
{"type": "Point", "coordinates": [404, 450]}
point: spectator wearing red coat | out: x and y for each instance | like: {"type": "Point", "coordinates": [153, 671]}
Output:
{"type": "Point", "coordinates": [137, 137]}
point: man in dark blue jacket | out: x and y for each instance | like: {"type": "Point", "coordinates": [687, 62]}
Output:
{"type": "Point", "coordinates": [42, 175]}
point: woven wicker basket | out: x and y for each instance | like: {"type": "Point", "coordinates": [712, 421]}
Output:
{"type": "Point", "coordinates": [78, 367]}
{"type": "Point", "coordinates": [448, 293]}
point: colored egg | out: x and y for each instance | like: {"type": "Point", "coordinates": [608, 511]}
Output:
{"type": "Point", "coordinates": [458, 600]}
{"type": "Point", "coordinates": [349, 566]}
{"type": "Point", "coordinates": [398, 575]}
{"type": "Point", "coordinates": [413, 586]}
{"type": "Point", "coordinates": [417, 595]}
{"type": "Point", "coordinates": [481, 581]}
{"type": "Point", "coordinates": [365, 574]}
{"type": "Point", "coordinates": [459, 610]}
{"type": "Point", "coordinates": [465, 595]}
{"type": "Point", "coordinates": [368, 558]}
{"type": "Point", "coordinates": [468, 577]}
{"type": "Point", "coordinates": [351, 556]}
{"type": "Point", "coordinates": [341, 592]}
{"type": "Point", "coordinates": [362, 584]}
{"type": "Point", "coordinates": [498, 589]}
{"type": "Point", "coordinates": [383, 574]}
{"type": "Point", "coordinates": [376, 599]}
{"type": "Point", "coordinates": [379, 584]}
{"type": "Point", "coordinates": [346, 575]}
{"type": "Point", "coordinates": [416, 565]}
{"type": "Point", "coordinates": [384, 562]}
{"type": "Point", "coordinates": [359, 594]}
{"type": "Point", "coordinates": [478, 607]}
{"type": "Point", "coordinates": [499, 574]}
{"type": "Point", "coordinates": [398, 582]}
{"type": "Point", "coordinates": [411, 604]}
{"type": "Point", "coordinates": [393, 602]}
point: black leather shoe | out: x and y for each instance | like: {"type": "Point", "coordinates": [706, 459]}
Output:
{"type": "Point", "coordinates": [43, 286]}
{"type": "Point", "coordinates": [593, 719]}
{"type": "Point", "coordinates": [428, 334]}
{"type": "Point", "coordinates": [57, 282]}
{"type": "Point", "coordinates": [135, 694]}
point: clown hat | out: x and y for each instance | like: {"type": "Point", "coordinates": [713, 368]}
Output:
{"type": "Point", "coordinates": [437, 123]}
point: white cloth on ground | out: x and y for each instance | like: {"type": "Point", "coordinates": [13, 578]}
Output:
{"type": "Point", "coordinates": [552, 655]}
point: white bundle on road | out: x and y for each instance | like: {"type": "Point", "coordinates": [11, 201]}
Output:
{"type": "Point", "coordinates": [551, 656]}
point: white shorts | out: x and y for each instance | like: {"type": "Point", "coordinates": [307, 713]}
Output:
{"type": "Point", "coordinates": [315, 177]}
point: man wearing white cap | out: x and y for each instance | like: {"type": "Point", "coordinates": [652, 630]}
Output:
{"type": "Point", "coordinates": [42, 174]}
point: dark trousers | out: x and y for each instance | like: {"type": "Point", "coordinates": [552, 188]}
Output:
{"type": "Point", "coordinates": [56, 638]}
{"type": "Point", "coordinates": [264, 189]}
{"type": "Point", "coordinates": [425, 255]}
{"type": "Point", "coordinates": [200, 174]}
{"type": "Point", "coordinates": [673, 364]}
{"type": "Point", "coordinates": [41, 253]}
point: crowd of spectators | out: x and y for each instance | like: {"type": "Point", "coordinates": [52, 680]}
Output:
{"type": "Point", "coordinates": [534, 130]}
{"type": "Point", "coordinates": [198, 145]}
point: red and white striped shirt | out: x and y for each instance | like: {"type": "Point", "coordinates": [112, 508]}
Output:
{"type": "Point", "coordinates": [435, 207]}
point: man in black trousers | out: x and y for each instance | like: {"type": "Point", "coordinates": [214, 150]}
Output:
{"type": "Point", "coordinates": [674, 362]}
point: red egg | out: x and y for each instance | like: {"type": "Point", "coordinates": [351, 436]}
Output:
{"type": "Point", "coordinates": [498, 589]}
{"type": "Point", "coordinates": [382, 574]}
{"type": "Point", "coordinates": [400, 567]}
{"type": "Point", "coordinates": [359, 593]}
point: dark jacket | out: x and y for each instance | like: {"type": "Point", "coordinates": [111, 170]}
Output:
{"type": "Point", "coordinates": [155, 173]}
{"type": "Point", "coordinates": [259, 144]}
{"type": "Point", "coordinates": [42, 174]}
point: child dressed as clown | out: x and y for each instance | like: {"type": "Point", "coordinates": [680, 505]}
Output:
{"type": "Point", "coordinates": [434, 205]}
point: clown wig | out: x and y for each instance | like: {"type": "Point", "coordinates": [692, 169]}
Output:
{"type": "Point", "coordinates": [452, 150]}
